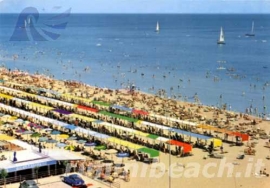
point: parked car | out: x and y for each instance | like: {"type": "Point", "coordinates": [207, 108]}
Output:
{"type": "Point", "coordinates": [74, 180]}
{"type": "Point", "coordinates": [28, 184]}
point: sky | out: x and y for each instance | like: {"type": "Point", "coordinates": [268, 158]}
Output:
{"type": "Point", "coordinates": [139, 6]}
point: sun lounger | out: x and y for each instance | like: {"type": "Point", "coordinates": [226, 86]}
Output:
{"type": "Point", "coordinates": [217, 156]}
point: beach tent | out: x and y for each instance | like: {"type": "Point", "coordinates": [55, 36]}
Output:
{"type": "Point", "coordinates": [153, 125]}
{"type": "Point", "coordinates": [174, 120]}
{"type": "Point", "coordinates": [245, 137]}
{"type": "Point", "coordinates": [82, 117]}
{"type": "Point", "coordinates": [68, 96]}
{"type": "Point", "coordinates": [87, 108]}
{"type": "Point", "coordinates": [139, 112]}
{"type": "Point", "coordinates": [123, 108]}
{"type": "Point", "coordinates": [61, 111]}
{"type": "Point", "coordinates": [217, 142]}
{"type": "Point", "coordinates": [70, 127]}
{"type": "Point", "coordinates": [129, 119]}
{"type": "Point", "coordinates": [187, 147]}
{"type": "Point", "coordinates": [6, 96]}
{"type": "Point", "coordinates": [124, 143]}
{"type": "Point", "coordinates": [113, 126]}
{"type": "Point", "coordinates": [101, 103]}
{"type": "Point", "coordinates": [151, 152]}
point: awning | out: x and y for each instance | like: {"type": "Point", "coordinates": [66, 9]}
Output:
{"type": "Point", "coordinates": [123, 108]}
{"type": "Point", "coordinates": [187, 147]}
{"type": "Point", "coordinates": [61, 111]}
{"type": "Point", "coordinates": [151, 152]}
{"type": "Point", "coordinates": [30, 165]}
{"type": "Point", "coordinates": [87, 108]}
{"type": "Point", "coordinates": [139, 112]}
{"type": "Point", "coordinates": [129, 119]}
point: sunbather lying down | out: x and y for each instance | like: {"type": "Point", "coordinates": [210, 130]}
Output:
{"type": "Point", "coordinates": [217, 156]}
{"type": "Point", "coordinates": [241, 156]}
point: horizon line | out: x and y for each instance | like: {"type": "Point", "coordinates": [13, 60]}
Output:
{"type": "Point", "coordinates": [146, 13]}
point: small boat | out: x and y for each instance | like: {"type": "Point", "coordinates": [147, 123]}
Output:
{"type": "Point", "coordinates": [157, 27]}
{"type": "Point", "coordinates": [221, 39]}
{"type": "Point", "coordinates": [251, 34]}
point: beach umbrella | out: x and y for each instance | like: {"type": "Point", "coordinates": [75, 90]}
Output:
{"type": "Point", "coordinates": [27, 132]}
{"type": "Point", "coordinates": [47, 129]}
{"type": "Point", "coordinates": [70, 127]}
{"type": "Point", "coordinates": [35, 135]}
{"type": "Point", "coordinates": [60, 145]}
{"type": "Point", "coordinates": [122, 155]}
{"type": "Point", "coordinates": [9, 126]}
{"type": "Point", "coordinates": [90, 144]}
{"type": "Point", "coordinates": [69, 147]}
{"type": "Point", "coordinates": [72, 138]}
{"type": "Point", "coordinates": [20, 131]}
{"type": "Point", "coordinates": [63, 136]}
{"type": "Point", "coordinates": [31, 124]}
{"type": "Point", "coordinates": [38, 127]}
{"type": "Point", "coordinates": [19, 120]}
{"type": "Point", "coordinates": [81, 141]}
{"type": "Point", "coordinates": [52, 141]}
{"type": "Point", "coordinates": [101, 147]}
{"type": "Point", "coordinates": [55, 132]}
{"type": "Point", "coordinates": [111, 151]}
{"type": "Point", "coordinates": [42, 139]}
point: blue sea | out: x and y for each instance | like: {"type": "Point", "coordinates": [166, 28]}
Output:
{"type": "Point", "coordinates": [116, 50]}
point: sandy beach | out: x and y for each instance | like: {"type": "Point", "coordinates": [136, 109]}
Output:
{"type": "Point", "coordinates": [190, 171]}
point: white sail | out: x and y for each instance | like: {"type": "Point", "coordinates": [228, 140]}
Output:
{"type": "Point", "coordinates": [252, 28]}
{"type": "Point", "coordinates": [29, 20]}
{"type": "Point", "coordinates": [157, 27]}
{"type": "Point", "coordinates": [221, 36]}
{"type": "Point", "coordinates": [25, 23]}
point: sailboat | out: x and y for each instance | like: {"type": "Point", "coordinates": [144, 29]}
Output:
{"type": "Point", "coordinates": [252, 31]}
{"type": "Point", "coordinates": [25, 23]}
{"type": "Point", "coordinates": [221, 39]}
{"type": "Point", "coordinates": [157, 27]}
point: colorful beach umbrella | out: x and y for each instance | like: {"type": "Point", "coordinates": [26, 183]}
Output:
{"type": "Point", "coordinates": [52, 141]}
{"type": "Point", "coordinates": [20, 131]}
{"type": "Point", "coordinates": [122, 155]}
{"type": "Point", "coordinates": [63, 136]}
{"type": "Point", "coordinates": [19, 120]}
{"type": "Point", "coordinates": [35, 135]}
{"type": "Point", "coordinates": [90, 144]}
{"type": "Point", "coordinates": [70, 127]}
{"type": "Point", "coordinates": [81, 141]}
{"type": "Point", "coordinates": [101, 147]}
{"type": "Point", "coordinates": [27, 132]}
{"type": "Point", "coordinates": [69, 147]}
{"type": "Point", "coordinates": [42, 139]}
{"type": "Point", "coordinates": [72, 138]}
{"type": "Point", "coordinates": [60, 145]}
{"type": "Point", "coordinates": [55, 132]}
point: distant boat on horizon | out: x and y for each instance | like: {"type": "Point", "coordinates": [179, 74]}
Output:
{"type": "Point", "coordinates": [157, 27]}
{"type": "Point", "coordinates": [221, 39]}
{"type": "Point", "coordinates": [251, 34]}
